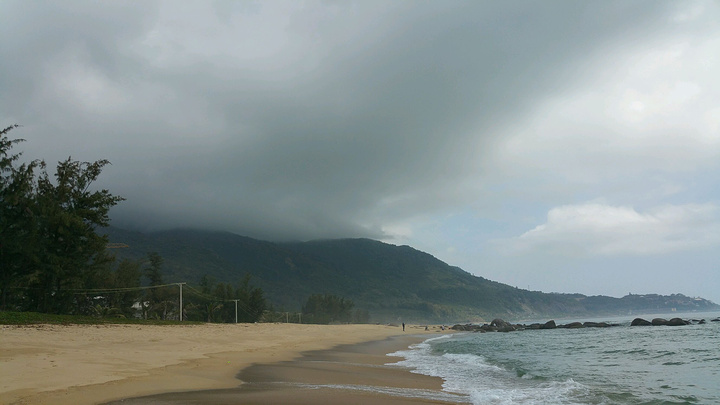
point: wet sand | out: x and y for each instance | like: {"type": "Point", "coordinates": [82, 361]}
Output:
{"type": "Point", "coordinates": [347, 374]}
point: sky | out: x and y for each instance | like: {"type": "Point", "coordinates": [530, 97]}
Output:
{"type": "Point", "coordinates": [560, 146]}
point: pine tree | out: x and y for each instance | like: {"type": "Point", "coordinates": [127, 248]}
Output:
{"type": "Point", "coordinates": [17, 222]}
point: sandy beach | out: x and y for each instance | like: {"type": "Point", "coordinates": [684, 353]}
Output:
{"type": "Point", "coordinates": [90, 364]}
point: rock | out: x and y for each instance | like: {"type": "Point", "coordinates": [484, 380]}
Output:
{"type": "Point", "coordinates": [488, 328]}
{"type": "Point", "coordinates": [573, 325]}
{"type": "Point", "coordinates": [677, 322]}
{"type": "Point", "coordinates": [499, 323]}
{"type": "Point", "coordinates": [640, 322]}
{"type": "Point", "coordinates": [659, 322]}
{"type": "Point", "coordinates": [549, 325]}
{"type": "Point", "coordinates": [715, 320]}
{"type": "Point", "coordinates": [596, 324]}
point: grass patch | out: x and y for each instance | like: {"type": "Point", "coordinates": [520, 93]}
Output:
{"type": "Point", "coordinates": [35, 318]}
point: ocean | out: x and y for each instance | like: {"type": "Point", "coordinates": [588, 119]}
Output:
{"type": "Point", "coordinates": [616, 365]}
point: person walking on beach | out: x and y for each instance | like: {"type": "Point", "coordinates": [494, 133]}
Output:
{"type": "Point", "coordinates": [403, 326]}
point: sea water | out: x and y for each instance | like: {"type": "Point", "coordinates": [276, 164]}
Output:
{"type": "Point", "coordinates": [616, 365]}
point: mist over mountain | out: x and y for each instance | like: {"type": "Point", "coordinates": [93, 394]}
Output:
{"type": "Point", "coordinates": [555, 145]}
{"type": "Point", "coordinates": [391, 282]}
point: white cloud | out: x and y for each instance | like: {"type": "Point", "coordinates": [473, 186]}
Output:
{"type": "Point", "coordinates": [595, 229]}
{"type": "Point", "coordinates": [71, 80]}
{"type": "Point", "coordinates": [649, 109]}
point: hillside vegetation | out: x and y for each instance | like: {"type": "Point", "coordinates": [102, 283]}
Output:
{"type": "Point", "coordinates": [392, 283]}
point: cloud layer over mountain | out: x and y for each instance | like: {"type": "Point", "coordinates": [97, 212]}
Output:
{"type": "Point", "coordinates": [537, 144]}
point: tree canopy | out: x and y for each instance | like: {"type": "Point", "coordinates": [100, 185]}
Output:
{"type": "Point", "coordinates": [53, 258]}
{"type": "Point", "coordinates": [329, 308]}
{"type": "Point", "coordinates": [49, 247]}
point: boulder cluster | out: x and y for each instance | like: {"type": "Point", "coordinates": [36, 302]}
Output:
{"type": "Point", "coordinates": [499, 325]}
{"type": "Point", "coordinates": [671, 322]}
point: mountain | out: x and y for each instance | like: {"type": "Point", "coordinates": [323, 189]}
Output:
{"type": "Point", "coordinates": [391, 282]}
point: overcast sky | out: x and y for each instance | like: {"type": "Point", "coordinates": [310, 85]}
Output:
{"type": "Point", "coordinates": [561, 146]}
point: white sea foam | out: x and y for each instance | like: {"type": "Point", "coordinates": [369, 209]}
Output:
{"type": "Point", "coordinates": [546, 393]}
{"type": "Point", "coordinates": [484, 383]}
{"type": "Point", "coordinates": [392, 391]}
{"type": "Point", "coordinates": [606, 366]}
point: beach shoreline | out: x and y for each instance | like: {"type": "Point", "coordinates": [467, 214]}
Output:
{"type": "Point", "coordinates": [356, 373]}
{"type": "Point", "coordinates": [90, 364]}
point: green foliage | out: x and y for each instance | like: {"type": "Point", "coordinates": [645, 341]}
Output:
{"type": "Point", "coordinates": [154, 272]}
{"type": "Point", "coordinates": [71, 252]}
{"type": "Point", "coordinates": [158, 303]}
{"type": "Point", "coordinates": [17, 222]}
{"type": "Point", "coordinates": [118, 290]}
{"type": "Point", "coordinates": [48, 245]}
{"type": "Point", "coordinates": [224, 303]}
{"type": "Point", "coordinates": [101, 311]}
{"type": "Point", "coordinates": [35, 318]}
{"type": "Point", "coordinates": [327, 308]}
{"type": "Point", "coordinates": [127, 275]}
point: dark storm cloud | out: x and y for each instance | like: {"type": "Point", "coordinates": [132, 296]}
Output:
{"type": "Point", "coordinates": [340, 119]}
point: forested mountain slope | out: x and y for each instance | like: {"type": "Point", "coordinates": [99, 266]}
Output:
{"type": "Point", "coordinates": [391, 282]}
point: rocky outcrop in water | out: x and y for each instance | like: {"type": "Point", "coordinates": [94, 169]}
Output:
{"type": "Point", "coordinates": [662, 322]}
{"type": "Point", "coordinates": [597, 324]}
{"type": "Point", "coordinates": [549, 325]}
{"type": "Point", "coordinates": [640, 322]}
{"type": "Point", "coordinates": [499, 325]}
